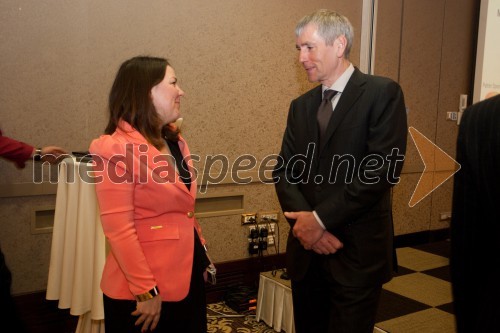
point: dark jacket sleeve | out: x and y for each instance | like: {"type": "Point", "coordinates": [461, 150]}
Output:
{"type": "Point", "coordinates": [289, 194]}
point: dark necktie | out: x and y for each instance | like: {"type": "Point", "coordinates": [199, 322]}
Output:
{"type": "Point", "coordinates": [325, 111]}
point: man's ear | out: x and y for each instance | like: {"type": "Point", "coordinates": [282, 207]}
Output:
{"type": "Point", "coordinates": [340, 44]}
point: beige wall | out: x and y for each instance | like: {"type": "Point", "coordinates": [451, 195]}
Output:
{"type": "Point", "coordinates": [236, 61]}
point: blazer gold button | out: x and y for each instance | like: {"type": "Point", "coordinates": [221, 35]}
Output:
{"type": "Point", "coordinates": [190, 214]}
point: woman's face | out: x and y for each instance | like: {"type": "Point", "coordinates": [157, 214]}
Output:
{"type": "Point", "coordinates": [166, 97]}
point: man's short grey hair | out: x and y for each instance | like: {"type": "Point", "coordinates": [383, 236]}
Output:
{"type": "Point", "coordinates": [330, 26]}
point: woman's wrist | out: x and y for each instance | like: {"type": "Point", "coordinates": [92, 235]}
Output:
{"type": "Point", "coordinates": [148, 295]}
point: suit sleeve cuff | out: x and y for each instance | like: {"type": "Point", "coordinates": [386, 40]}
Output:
{"type": "Point", "coordinates": [319, 220]}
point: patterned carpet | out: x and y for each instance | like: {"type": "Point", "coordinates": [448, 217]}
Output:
{"type": "Point", "coordinates": [417, 299]}
{"type": "Point", "coordinates": [222, 319]}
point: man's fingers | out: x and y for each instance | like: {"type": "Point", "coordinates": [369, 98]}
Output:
{"type": "Point", "coordinates": [291, 215]}
{"type": "Point", "coordinates": [334, 241]}
{"type": "Point", "coordinates": [321, 248]}
{"type": "Point", "coordinates": [327, 244]}
{"type": "Point", "coordinates": [318, 249]}
{"type": "Point", "coordinates": [337, 244]}
{"type": "Point", "coordinates": [324, 250]}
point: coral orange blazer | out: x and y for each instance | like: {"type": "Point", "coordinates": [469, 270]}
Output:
{"type": "Point", "coordinates": [147, 214]}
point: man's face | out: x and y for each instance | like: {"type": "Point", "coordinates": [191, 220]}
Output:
{"type": "Point", "coordinates": [319, 60]}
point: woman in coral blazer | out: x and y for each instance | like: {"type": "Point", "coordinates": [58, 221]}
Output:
{"type": "Point", "coordinates": [153, 278]}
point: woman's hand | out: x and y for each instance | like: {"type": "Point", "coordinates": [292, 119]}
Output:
{"type": "Point", "coordinates": [149, 313]}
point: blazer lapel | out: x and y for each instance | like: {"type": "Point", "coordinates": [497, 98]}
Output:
{"type": "Point", "coordinates": [167, 165]}
{"type": "Point", "coordinates": [351, 93]}
{"type": "Point", "coordinates": [161, 168]}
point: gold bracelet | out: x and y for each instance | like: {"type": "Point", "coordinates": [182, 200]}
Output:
{"type": "Point", "coordinates": [148, 295]}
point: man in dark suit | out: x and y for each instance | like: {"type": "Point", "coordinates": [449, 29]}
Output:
{"type": "Point", "coordinates": [475, 224]}
{"type": "Point", "coordinates": [338, 161]}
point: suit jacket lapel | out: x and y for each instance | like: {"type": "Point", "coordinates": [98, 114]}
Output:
{"type": "Point", "coordinates": [312, 120]}
{"type": "Point", "coordinates": [351, 93]}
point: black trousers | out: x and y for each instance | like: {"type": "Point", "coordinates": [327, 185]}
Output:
{"type": "Point", "coordinates": [9, 313]}
{"type": "Point", "coordinates": [322, 305]}
{"type": "Point", "coordinates": [188, 315]}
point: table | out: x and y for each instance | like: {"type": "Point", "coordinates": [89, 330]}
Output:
{"type": "Point", "coordinates": [274, 302]}
{"type": "Point", "coordinates": [78, 248]}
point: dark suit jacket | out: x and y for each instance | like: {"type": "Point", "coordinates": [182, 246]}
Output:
{"type": "Point", "coordinates": [370, 118]}
{"type": "Point", "coordinates": [475, 224]}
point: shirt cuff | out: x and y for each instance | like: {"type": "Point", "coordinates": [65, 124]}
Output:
{"type": "Point", "coordinates": [319, 220]}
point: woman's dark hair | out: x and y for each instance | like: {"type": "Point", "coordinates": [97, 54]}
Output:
{"type": "Point", "coordinates": [130, 99]}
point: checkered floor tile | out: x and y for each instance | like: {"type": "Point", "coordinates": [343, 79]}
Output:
{"type": "Point", "coordinates": [418, 298]}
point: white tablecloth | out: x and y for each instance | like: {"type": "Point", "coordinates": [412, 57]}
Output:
{"type": "Point", "coordinates": [78, 248]}
{"type": "Point", "coordinates": [274, 302]}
